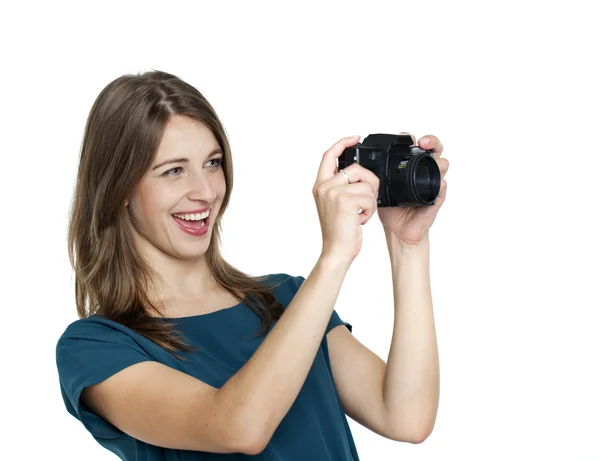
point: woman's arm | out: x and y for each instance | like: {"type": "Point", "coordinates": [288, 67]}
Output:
{"type": "Point", "coordinates": [264, 389]}
{"type": "Point", "coordinates": [411, 385]}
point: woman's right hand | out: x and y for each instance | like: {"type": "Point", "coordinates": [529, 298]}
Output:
{"type": "Point", "coordinates": [339, 204]}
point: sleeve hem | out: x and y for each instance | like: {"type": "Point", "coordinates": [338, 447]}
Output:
{"type": "Point", "coordinates": [93, 422]}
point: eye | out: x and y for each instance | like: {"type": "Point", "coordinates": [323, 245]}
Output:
{"type": "Point", "coordinates": [218, 160]}
{"type": "Point", "coordinates": [172, 171]}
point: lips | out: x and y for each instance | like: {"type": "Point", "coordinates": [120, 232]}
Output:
{"type": "Point", "coordinates": [195, 228]}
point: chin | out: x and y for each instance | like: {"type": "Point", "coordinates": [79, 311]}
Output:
{"type": "Point", "coordinates": [189, 252]}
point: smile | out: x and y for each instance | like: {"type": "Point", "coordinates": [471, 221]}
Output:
{"type": "Point", "coordinates": [192, 224]}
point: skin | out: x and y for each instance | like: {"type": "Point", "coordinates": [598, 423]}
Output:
{"type": "Point", "coordinates": [194, 181]}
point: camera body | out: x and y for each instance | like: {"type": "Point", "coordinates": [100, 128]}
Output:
{"type": "Point", "coordinates": [408, 176]}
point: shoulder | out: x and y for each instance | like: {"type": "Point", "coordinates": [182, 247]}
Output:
{"type": "Point", "coordinates": [284, 278]}
{"type": "Point", "coordinates": [94, 337]}
{"type": "Point", "coordinates": [95, 347]}
{"type": "Point", "coordinates": [95, 327]}
{"type": "Point", "coordinates": [283, 283]}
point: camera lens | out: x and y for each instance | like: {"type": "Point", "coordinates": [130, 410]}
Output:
{"type": "Point", "coordinates": [426, 179]}
{"type": "Point", "coordinates": [414, 180]}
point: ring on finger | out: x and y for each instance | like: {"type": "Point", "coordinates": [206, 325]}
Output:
{"type": "Point", "coordinates": [346, 177]}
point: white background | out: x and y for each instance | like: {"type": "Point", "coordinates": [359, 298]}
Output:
{"type": "Point", "coordinates": [511, 90]}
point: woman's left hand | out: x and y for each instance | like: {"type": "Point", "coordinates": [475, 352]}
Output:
{"type": "Point", "coordinates": [410, 225]}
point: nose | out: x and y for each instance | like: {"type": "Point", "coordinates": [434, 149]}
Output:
{"type": "Point", "coordinates": [201, 189]}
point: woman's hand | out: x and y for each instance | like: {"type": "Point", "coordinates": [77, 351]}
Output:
{"type": "Point", "coordinates": [344, 207]}
{"type": "Point", "coordinates": [410, 225]}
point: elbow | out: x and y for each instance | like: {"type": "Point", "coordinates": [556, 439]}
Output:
{"type": "Point", "coordinates": [421, 435]}
{"type": "Point", "coordinates": [259, 441]}
{"type": "Point", "coordinates": [248, 442]}
{"type": "Point", "coordinates": [247, 432]}
{"type": "Point", "coordinates": [412, 426]}
{"type": "Point", "coordinates": [255, 445]}
{"type": "Point", "coordinates": [415, 435]}
{"type": "Point", "coordinates": [262, 435]}
{"type": "Point", "coordinates": [255, 448]}
{"type": "Point", "coordinates": [251, 439]}
{"type": "Point", "coordinates": [239, 432]}
{"type": "Point", "coordinates": [419, 438]}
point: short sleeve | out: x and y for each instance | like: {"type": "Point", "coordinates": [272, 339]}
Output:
{"type": "Point", "coordinates": [335, 320]}
{"type": "Point", "coordinates": [86, 354]}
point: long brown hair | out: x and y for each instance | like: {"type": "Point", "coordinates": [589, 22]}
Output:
{"type": "Point", "coordinates": [122, 134]}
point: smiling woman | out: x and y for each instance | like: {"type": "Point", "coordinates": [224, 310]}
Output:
{"type": "Point", "coordinates": [181, 190]}
{"type": "Point", "coordinates": [153, 147]}
{"type": "Point", "coordinates": [177, 354]}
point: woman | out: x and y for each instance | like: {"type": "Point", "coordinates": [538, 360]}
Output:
{"type": "Point", "coordinates": [177, 354]}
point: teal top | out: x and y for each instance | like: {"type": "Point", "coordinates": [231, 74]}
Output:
{"type": "Point", "coordinates": [94, 348]}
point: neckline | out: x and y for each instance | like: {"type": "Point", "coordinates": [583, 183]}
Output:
{"type": "Point", "coordinates": [175, 319]}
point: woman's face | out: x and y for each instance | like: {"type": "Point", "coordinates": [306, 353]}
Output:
{"type": "Point", "coordinates": [185, 178]}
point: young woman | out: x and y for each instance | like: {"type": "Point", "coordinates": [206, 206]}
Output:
{"type": "Point", "coordinates": [176, 354]}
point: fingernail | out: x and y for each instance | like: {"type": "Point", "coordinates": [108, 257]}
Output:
{"type": "Point", "coordinates": [425, 140]}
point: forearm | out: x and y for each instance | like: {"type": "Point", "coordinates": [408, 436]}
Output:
{"type": "Point", "coordinates": [264, 389]}
{"type": "Point", "coordinates": [411, 386]}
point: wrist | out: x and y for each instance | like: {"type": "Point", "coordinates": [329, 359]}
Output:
{"type": "Point", "coordinates": [333, 263]}
{"type": "Point", "coordinates": [397, 245]}
{"type": "Point", "coordinates": [409, 257]}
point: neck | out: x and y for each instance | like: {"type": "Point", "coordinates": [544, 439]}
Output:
{"type": "Point", "coordinates": [176, 280]}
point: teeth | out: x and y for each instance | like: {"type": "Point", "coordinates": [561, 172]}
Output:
{"type": "Point", "coordinates": [193, 216]}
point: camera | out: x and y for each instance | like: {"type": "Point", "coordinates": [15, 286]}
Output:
{"type": "Point", "coordinates": [408, 176]}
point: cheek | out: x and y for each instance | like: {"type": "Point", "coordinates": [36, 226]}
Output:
{"type": "Point", "coordinates": [149, 203]}
{"type": "Point", "coordinates": [221, 184]}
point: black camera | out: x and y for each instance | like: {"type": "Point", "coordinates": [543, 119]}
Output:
{"type": "Point", "coordinates": [408, 176]}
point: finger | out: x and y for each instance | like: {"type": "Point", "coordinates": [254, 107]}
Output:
{"type": "Point", "coordinates": [441, 198]}
{"type": "Point", "coordinates": [413, 138]}
{"type": "Point", "coordinates": [363, 201]}
{"type": "Point", "coordinates": [328, 167]}
{"type": "Point", "coordinates": [359, 188]}
{"type": "Point", "coordinates": [357, 173]}
{"type": "Point", "coordinates": [365, 206]}
{"type": "Point", "coordinates": [443, 165]}
{"type": "Point", "coordinates": [431, 142]}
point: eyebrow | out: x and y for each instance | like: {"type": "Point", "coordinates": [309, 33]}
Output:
{"type": "Point", "coordinates": [183, 159]}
